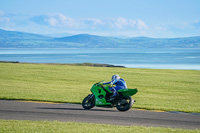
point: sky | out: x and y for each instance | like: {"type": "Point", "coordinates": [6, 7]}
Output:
{"type": "Point", "coordinates": [119, 18]}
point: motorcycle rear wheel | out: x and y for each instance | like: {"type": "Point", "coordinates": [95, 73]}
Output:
{"type": "Point", "coordinates": [125, 104]}
{"type": "Point", "coordinates": [88, 102]}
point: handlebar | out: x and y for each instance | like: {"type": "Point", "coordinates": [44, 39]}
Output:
{"type": "Point", "coordinates": [102, 86]}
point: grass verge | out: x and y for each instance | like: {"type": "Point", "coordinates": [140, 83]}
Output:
{"type": "Point", "coordinates": [169, 90]}
{"type": "Point", "coordinates": [16, 126]}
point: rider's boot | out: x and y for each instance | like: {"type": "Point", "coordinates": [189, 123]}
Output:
{"type": "Point", "coordinates": [113, 96]}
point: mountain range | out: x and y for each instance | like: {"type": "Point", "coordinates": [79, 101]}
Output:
{"type": "Point", "coordinates": [14, 39]}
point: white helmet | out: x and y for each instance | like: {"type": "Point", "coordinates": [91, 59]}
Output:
{"type": "Point", "coordinates": [115, 77]}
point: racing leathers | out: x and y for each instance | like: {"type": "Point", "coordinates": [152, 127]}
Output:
{"type": "Point", "coordinates": [119, 84]}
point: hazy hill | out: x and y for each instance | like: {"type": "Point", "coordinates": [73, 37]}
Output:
{"type": "Point", "coordinates": [92, 40]}
{"type": "Point", "coordinates": [20, 35]}
{"type": "Point", "coordinates": [13, 39]}
{"type": "Point", "coordinates": [187, 42]}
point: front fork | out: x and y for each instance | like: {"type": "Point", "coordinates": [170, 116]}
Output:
{"type": "Point", "coordinates": [90, 96]}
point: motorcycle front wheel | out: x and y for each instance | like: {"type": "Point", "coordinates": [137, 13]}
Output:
{"type": "Point", "coordinates": [88, 102]}
{"type": "Point", "coordinates": [125, 104]}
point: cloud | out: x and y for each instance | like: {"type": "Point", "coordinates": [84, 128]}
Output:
{"type": "Point", "coordinates": [123, 23]}
{"type": "Point", "coordinates": [3, 17]}
{"type": "Point", "coordinates": [55, 19]}
{"type": "Point", "coordinates": [119, 23]}
{"type": "Point", "coordinates": [1, 13]}
{"type": "Point", "coordinates": [127, 24]}
{"type": "Point", "coordinates": [196, 24]}
{"type": "Point", "coordinates": [141, 25]}
{"type": "Point", "coordinates": [60, 20]}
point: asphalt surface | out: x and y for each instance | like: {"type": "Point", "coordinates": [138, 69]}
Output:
{"type": "Point", "coordinates": [18, 110]}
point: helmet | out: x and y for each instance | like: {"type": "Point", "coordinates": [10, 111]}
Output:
{"type": "Point", "coordinates": [115, 77]}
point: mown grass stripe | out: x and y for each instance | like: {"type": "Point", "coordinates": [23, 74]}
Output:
{"type": "Point", "coordinates": [19, 126]}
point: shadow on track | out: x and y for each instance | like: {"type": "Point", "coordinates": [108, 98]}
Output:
{"type": "Point", "coordinates": [79, 109]}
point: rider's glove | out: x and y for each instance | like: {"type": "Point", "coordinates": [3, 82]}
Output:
{"type": "Point", "coordinates": [111, 84]}
{"type": "Point", "coordinates": [101, 83]}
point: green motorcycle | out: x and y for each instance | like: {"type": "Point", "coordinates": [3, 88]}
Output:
{"type": "Point", "coordinates": [100, 97]}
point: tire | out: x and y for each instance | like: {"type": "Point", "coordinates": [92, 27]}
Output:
{"type": "Point", "coordinates": [125, 104]}
{"type": "Point", "coordinates": [88, 102]}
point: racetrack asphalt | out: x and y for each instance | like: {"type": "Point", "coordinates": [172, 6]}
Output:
{"type": "Point", "coordinates": [20, 110]}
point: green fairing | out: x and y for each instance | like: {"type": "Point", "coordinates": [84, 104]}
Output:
{"type": "Point", "coordinates": [128, 92]}
{"type": "Point", "coordinates": [97, 91]}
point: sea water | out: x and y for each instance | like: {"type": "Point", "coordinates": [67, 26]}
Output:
{"type": "Point", "coordinates": [131, 58]}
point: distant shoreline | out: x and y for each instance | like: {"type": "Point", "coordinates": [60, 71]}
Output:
{"type": "Point", "coordinates": [70, 64]}
{"type": "Point", "coordinates": [98, 48]}
{"type": "Point", "coordinates": [99, 65]}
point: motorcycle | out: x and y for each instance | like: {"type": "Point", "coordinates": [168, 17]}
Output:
{"type": "Point", "coordinates": [101, 94]}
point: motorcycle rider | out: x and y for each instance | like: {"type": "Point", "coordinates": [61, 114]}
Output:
{"type": "Point", "coordinates": [119, 84]}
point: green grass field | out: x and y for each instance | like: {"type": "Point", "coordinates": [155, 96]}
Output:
{"type": "Point", "coordinates": [14, 126]}
{"type": "Point", "coordinates": [169, 90]}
